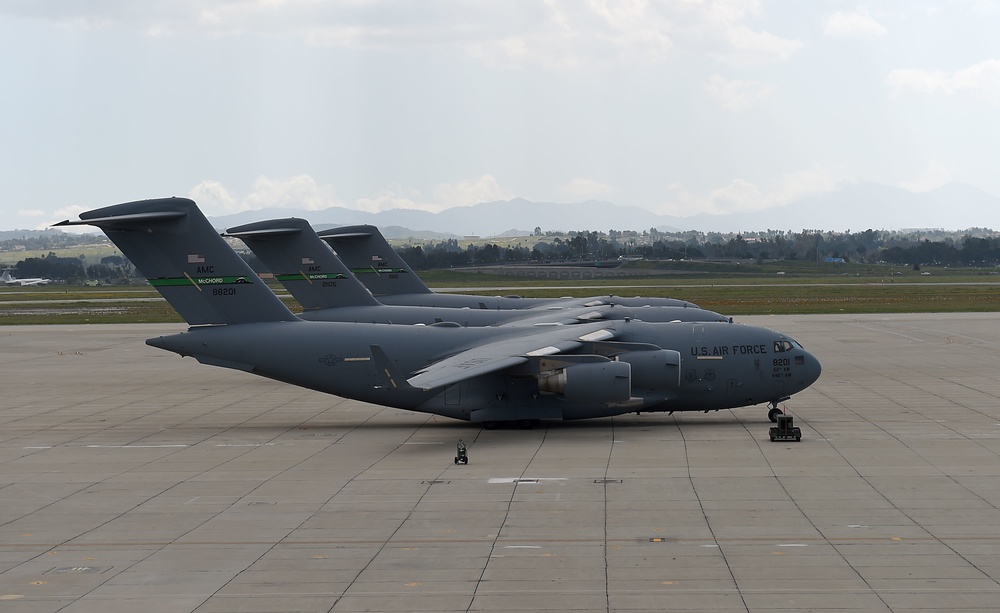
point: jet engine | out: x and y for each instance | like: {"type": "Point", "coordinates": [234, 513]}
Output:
{"type": "Point", "coordinates": [656, 369]}
{"type": "Point", "coordinates": [603, 381]}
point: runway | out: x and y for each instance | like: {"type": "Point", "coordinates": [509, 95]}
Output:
{"type": "Point", "coordinates": [135, 480]}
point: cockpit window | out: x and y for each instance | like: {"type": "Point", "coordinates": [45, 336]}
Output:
{"type": "Point", "coordinates": [782, 346]}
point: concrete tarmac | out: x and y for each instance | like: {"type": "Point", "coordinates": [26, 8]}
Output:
{"type": "Point", "coordinates": [135, 480]}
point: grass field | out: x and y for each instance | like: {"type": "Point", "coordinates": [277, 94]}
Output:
{"type": "Point", "coordinates": [730, 294]}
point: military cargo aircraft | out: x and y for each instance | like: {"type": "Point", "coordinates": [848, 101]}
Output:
{"type": "Point", "coordinates": [369, 256]}
{"type": "Point", "coordinates": [489, 375]}
{"type": "Point", "coordinates": [7, 279]}
{"type": "Point", "coordinates": [324, 286]}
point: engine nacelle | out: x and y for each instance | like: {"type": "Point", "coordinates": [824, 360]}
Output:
{"type": "Point", "coordinates": [590, 382]}
{"type": "Point", "coordinates": [652, 370]}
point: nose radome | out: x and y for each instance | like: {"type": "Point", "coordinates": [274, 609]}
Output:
{"type": "Point", "coordinates": [812, 370]}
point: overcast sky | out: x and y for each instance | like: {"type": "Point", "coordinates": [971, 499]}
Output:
{"type": "Point", "coordinates": [680, 107]}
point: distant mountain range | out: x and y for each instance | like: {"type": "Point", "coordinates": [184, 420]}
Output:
{"type": "Point", "coordinates": [863, 206]}
{"type": "Point", "coordinates": [8, 235]}
{"type": "Point", "coordinates": [855, 206]}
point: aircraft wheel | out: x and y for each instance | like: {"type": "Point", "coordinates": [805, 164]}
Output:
{"type": "Point", "coordinates": [773, 414]}
{"type": "Point", "coordinates": [490, 425]}
{"type": "Point", "coordinates": [526, 424]}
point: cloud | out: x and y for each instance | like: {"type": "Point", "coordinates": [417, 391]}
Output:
{"type": "Point", "coordinates": [934, 175]}
{"type": "Point", "coordinates": [30, 212]}
{"type": "Point", "coordinates": [561, 35]}
{"type": "Point", "coordinates": [721, 31]}
{"type": "Point", "coordinates": [67, 212]}
{"type": "Point", "coordinates": [750, 48]}
{"type": "Point", "coordinates": [586, 189]}
{"type": "Point", "coordinates": [387, 200]}
{"type": "Point", "coordinates": [858, 24]}
{"type": "Point", "coordinates": [981, 80]}
{"type": "Point", "coordinates": [571, 35]}
{"type": "Point", "coordinates": [298, 192]}
{"type": "Point", "coordinates": [303, 192]}
{"type": "Point", "coordinates": [736, 95]}
{"type": "Point", "coordinates": [443, 196]}
{"type": "Point", "coordinates": [213, 196]}
{"type": "Point", "coordinates": [743, 196]}
{"type": "Point", "coordinates": [637, 32]}
{"type": "Point", "coordinates": [468, 192]}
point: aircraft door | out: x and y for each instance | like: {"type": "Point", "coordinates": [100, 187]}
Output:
{"type": "Point", "coordinates": [731, 385]}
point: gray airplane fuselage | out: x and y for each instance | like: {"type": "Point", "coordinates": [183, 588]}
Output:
{"type": "Point", "coordinates": [660, 367]}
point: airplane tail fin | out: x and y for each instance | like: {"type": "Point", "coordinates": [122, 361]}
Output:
{"type": "Point", "coordinates": [303, 263]}
{"type": "Point", "coordinates": [373, 260]}
{"type": "Point", "coordinates": [5, 277]}
{"type": "Point", "coordinates": [173, 245]}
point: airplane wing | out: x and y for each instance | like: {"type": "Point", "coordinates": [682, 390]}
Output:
{"type": "Point", "coordinates": [570, 303]}
{"type": "Point", "coordinates": [495, 356]}
{"type": "Point", "coordinates": [557, 317]}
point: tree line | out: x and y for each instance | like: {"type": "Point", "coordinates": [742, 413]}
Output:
{"type": "Point", "coordinates": [975, 247]}
{"type": "Point", "coordinates": [76, 270]}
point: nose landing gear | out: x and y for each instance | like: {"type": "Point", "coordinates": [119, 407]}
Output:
{"type": "Point", "coordinates": [773, 413]}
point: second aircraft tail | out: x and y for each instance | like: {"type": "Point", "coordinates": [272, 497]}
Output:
{"type": "Point", "coordinates": [303, 263]}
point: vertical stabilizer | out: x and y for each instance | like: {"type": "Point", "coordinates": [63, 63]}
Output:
{"type": "Point", "coordinates": [303, 263]}
{"type": "Point", "coordinates": [373, 260]}
{"type": "Point", "coordinates": [173, 245]}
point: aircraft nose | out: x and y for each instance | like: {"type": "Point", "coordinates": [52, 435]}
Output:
{"type": "Point", "coordinates": [810, 370]}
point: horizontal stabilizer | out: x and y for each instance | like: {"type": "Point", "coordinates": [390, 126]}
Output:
{"type": "Point", "coordinates": [123, 221]}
